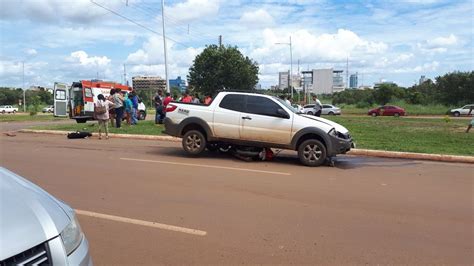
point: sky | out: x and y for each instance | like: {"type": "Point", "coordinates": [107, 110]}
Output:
{"type": "Point", "coordinates": [392, 40]}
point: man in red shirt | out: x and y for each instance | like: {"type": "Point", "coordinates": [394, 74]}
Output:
{"type": "Point", "coordinates": [187, 98]}
{"type": "Point", "coordinates": [167, 100]}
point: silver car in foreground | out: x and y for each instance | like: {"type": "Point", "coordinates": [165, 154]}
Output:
{"type": "Point", "coordinates": [36, 228]}
{"type": "Point", "coordinates": [328, 109]}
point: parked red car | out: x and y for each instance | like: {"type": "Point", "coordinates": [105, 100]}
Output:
{"type": "Point", "coordinates": [387, 110]}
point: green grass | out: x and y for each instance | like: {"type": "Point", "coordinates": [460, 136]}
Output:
{"type": "Point", "coordinates": [22, 117]}
{"type": "Point", "coordinates": [142, 128]}
{"type": "Point", "coordinates": [443, 136]}
{"type": "Point", "coordinates": [411, 109]}
{"type": "Point", "coordinates": [424, 135]}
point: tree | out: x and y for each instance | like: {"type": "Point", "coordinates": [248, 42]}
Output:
{"type": "Point", "coordinates": [220, 67]}
{"type": "Point", "coordinates": [455, 88]}
{"type": "Point", "coordinates": [385, 93]}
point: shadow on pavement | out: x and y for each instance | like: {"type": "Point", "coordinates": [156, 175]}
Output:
{"type": "Point", "coordinates": [343, 162]}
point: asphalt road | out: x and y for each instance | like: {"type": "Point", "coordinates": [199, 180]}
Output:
{"type": "Point", "coordinates": [219, 210]}
{"type": "Point", "coordinates": [14, 126]}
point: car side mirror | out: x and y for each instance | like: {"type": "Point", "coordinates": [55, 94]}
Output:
{"type": "Point", "coordinates": [282, 113]}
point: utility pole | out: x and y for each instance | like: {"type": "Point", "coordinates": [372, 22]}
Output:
{"type": "Point", "coordinates": [291, 69]}
{"type": "Point", "coordinates": [24, 91]}
{"type": "Point", "coordinates": [291, 65]}
{"type": "Point", "coordinates": [220, 40]}
{"type": "Point", "coordinates": [125, 75]}
{"type": "Point", "coordinates": [347, 72]}
{"type": "Point", "coordinates": [164, 44]}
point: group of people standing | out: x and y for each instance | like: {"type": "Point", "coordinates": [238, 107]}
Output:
{"type": "Point", "coordinates": [118, 105]}
{"type": "Point", "coordinates": [162, 102]}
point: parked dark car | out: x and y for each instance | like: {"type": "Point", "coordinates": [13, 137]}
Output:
{"type": "Point", "coordinates": [387, 110]}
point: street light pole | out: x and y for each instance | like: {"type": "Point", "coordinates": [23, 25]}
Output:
{"type": "Point", "coordinates": [24, 91]}
{"type": "Point", "coordinates": [290, 81]}
{"type": "Point", "coordinates": [164, 43]}
{"type": "Point", "coordinates": [291, 69]}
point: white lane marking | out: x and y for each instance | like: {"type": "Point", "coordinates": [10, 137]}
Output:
{"type": "Point", "coordinates": [141, 222]}
{"type": "Point", "coordinates": [207, 166]}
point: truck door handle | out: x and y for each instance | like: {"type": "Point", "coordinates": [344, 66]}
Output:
{"type": "Point", "coordinates": [246, 117]}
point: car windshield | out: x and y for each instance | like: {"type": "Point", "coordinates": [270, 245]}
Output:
{"type": "Point", "coordinates": [291, 108]}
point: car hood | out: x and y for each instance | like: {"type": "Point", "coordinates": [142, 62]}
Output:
{"type": "Point", "coordinates": [326, 123]}
{"type": "Point", "coordinates": [29, 215]}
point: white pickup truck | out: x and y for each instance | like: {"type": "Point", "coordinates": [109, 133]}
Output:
{"type": "Point", "coordinates": [8, 109]}
{"type": "Point", "coordinates": [255, 120]}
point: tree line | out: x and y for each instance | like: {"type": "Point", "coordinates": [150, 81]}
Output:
{"type": "Point", "coordinates": [13, 96]}
{"type": "Point", "coordinates": [451, 89]}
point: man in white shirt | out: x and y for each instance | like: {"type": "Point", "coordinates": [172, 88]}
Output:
{"type": "Point", "coordinates": [317, 106]}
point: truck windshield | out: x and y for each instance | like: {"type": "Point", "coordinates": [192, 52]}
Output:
{"type": "Point", "coordinates": [291, 108]}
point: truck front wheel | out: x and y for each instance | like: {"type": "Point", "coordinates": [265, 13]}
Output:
{"type": "Point", "coordinates": [194, 142]}
{"type": "Point", "coordinates": [312, 152]}
{"type": "Point", "coordinates": [141, 115]}
{"type": "Point", "coordinates": [81, 120]}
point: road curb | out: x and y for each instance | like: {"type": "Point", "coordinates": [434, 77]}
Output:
{"type": "Point", "coordinates": [413, 155]}
{"type": "Point", "coordinates": [362, 152]}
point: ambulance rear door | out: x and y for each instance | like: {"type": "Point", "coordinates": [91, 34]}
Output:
{"type": "Point", "coordinates": [60, 99]}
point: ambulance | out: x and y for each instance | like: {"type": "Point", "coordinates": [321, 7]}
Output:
{"type": "Point", "coordinates": [79, 98]}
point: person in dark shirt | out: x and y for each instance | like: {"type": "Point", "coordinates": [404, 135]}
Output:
{"type": "Point", "coordinates": [159, 115]}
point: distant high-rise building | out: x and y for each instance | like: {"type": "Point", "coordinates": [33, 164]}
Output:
{"type": "Point", "coordinates": [337, 81]}
{"type": "Point", "coordinates": [353, 81]}
{"type": "Point", "coordinates": [148, 83]}
{"type": "Point", "coordinates": [422, 79]}
{"type": "Point", "coordinates": [283, 80]}
{"type": "Point", "coordinates": [178, 83]}
{"type": "Point", "coordinates": [322, 81]}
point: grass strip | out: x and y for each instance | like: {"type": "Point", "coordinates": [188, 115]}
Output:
{"type": "Point", "coordinates": [423, 135]}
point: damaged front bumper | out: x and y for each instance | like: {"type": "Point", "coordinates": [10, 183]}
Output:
{"type": "Point", "coordinates": [341, 143]}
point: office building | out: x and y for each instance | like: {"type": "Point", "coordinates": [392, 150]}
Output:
{"type": "Point", "coordinates": [337, 81]}
{"type": "Point", "coordinates": [178, 83]}
{"type": "Point", "coordinates": [353, 80]}
{"type": "Point", "coordinates": [283, 80]}
{"type": "Point", "coordinates": [323, 81]}
{"type": "Point", "coordinates": [152, 83]}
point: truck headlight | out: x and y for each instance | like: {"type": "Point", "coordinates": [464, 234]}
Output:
{"type": "Point", "coordinates": [333, 132]}
{"type": "Point", "coordinates": [72, 236]}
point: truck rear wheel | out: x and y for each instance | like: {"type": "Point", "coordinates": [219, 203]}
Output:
{"type": "Point", "coordinates": [312, 152]}
{"type": "Point", "coordinates": [81, 120]}
{"type": "Point", "coordinates": [194, 142]}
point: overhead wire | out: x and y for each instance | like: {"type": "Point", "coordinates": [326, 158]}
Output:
{"type": "Point", "coordinates": [178, 23]}
{"type": "Point", "coordinates": [192, 36]}
{"type": "Point", "coordinates": [137, 23]}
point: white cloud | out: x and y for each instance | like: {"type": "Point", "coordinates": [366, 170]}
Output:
{"type": "Point", "coordinates": [194, 9]}
{"type": "Point", "coordinates": [152, 53]}
{"type": "Point", "coordinates": [438, 44]}
{"type": "Point", "coordinates": [258, 18]}
{"type": "Point", "coordinates": [312, 48]}
{"type": "Point", "coordinates": [31, 52]}
{"type": "Point", "coordinates": [442, 41]}
{"type": "Point", "coordinates": [83, 59]}
{"type": "Point", "coordinates": [427, 67]}
{"type": "Point", "coordinates": [13, 70]}
{"type": "Point", "coordinates": [78, 11]}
